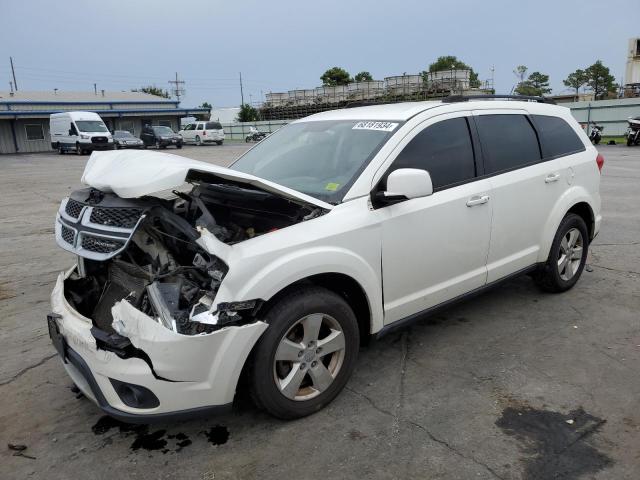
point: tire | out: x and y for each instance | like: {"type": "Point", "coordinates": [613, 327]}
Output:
{"type": "Point", "coordinates": [247, 139]}
{"type": "Point", "coordinates": [219, 142]}
{"type": "Point", "coordinates": [198, 141]}
{"type": "Point", "coordinates": [179, 146]}
{"type": "Point", "coordinates": [558, 275]}
{"type": "Point", "coordinates": [60, 149]}
{"type": "Point", "coordinates": [629, 140]}
{"type": "Point", "coordinates": [596, 140]}
{"type": "Point", "coordinates": [158, 146]}
{"type": "Point", "coordinates": [291, 321]}
{"type": "Point", "coordinates": [79, 151]}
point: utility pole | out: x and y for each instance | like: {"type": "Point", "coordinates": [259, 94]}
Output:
{"type": "Point", "coordinates": [95, 89]}
{"type": "Point", "coordinates": [11, 85]}
{"type": "Point", "coordinates": [177, 90]}
{"type": "Point", "coordinates": [493, 85]}
{"type": "Point", "coordinates": [241, 92]}
{"type": "Point", "coordinates": [13, 72]}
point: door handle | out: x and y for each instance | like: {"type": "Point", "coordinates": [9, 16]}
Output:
{"type": "Point", "coordinates": [552, 177]}
{"type": "Point", "coordinates": [476, 200]}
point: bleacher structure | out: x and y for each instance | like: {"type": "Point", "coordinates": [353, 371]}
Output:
{"type": "Point", "coordinates": [401, 88]}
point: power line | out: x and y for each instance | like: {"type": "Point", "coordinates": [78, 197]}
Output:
{"type": "Point", "coordinates": [177, 89]}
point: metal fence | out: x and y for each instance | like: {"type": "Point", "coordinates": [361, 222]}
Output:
{"type": "Point", "coordinates": [610, 114]}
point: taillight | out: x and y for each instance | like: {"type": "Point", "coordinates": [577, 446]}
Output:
{"type": "Point", "coordinates": [600, 162]}
{"type": "Point", "coordinates": [204, 133]}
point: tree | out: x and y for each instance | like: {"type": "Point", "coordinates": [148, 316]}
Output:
{"type": "Point", "coordinates": [520, 71]}
{"type": "Point", "coordinates": [599, 80]}
{"type": "Point", "coordinates": [153, 90]}
{"type": "Point", "coordinates": [576, 80]}
{"type": "Point", "coordinates": [363, 77]}
{"type": "Point", "coordinates": [451, 62]}
{"type": "Point", "coordinates": [204, 116]}
{"type": "Point", "coordinates": [247, 113]}
{"type": "Point", "coordinates": [335, 76]}
{"type": "Point", "coordinates": [536, 85]}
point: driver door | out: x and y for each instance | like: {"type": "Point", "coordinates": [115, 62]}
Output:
{"type": "Point", "coordinates": [435, 248]}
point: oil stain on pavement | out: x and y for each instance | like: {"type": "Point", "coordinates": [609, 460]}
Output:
{"type": "Point", "coordinates": [555, 444]}
{"type": "Point", "coordinates": [156, 440]}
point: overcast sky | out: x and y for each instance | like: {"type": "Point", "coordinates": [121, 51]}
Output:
{"type": "Point", "coordinates": [284, 45]}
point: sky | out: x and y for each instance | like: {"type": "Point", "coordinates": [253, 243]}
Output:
{"type": "Point", "coordinates": [283, 45]}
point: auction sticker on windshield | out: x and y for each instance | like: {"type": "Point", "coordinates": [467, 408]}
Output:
{"type": "Point", "coordinates": [380, 126]}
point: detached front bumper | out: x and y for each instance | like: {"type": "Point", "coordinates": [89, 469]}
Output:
{"type": "Point", "coordinates": [181, 377]}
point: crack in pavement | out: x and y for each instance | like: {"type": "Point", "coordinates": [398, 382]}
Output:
{"type": "Point", "coordinates": [431, 436]}
{"type": "Point", "coordinates": [26, 369]}
{"type": "Point", "coordinates": [615, 269]}
{"type": "Point", "coordinates": [613, 244]}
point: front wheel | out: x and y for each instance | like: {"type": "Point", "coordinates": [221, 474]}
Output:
{"type": "Point", "coordinates": [198, 141]}
{"type": "Point", "coordinates": [567, 256]}
{"type": "Point", "coordinates": [79, 150]}
{"type": "Point", "coordinates": [307, 354]}
{"type": "Point", "coordinates": [179, 146]}
{"type": "Point", "coordinates": [60, 149]}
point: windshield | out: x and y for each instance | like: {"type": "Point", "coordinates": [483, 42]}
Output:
{"type": "Point", "coordinates": [319, 158]}
{"type": "Point", "coordinates": [122, 134]}
{"type": "Point", "coordinates": [91, 126]}
{"type": "Point", "coordinates": [163, 131]}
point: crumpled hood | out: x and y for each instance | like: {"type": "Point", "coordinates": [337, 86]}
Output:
{"type": "Point", "coordinates": [132, 174]}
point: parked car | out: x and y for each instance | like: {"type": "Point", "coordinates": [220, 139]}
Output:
{"type": "Point", "coordinates": [160, 137]}
{"type": "Point", "coordinates": [79, 132]}
{"type": "Point", "coordinates": [200, 133]}
{"type": "Point", "coordinates": [125, 139]}
{"type": "Point", "coordinates": [342, 225]}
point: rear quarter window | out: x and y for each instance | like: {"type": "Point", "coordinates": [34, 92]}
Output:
{"type": "Point", "coordinates": [557, 138]}
{"type": "Point", "coordinates": [214, 126]}
{"type": "Point", "coordinates": [508, 142]}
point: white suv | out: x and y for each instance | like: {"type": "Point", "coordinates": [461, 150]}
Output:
{"type": "Point", "coordinates": [203, 132]}
{"type": "Point", "coordinates": [339, 226]}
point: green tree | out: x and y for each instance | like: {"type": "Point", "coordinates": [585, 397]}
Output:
{"type": "Point", "coordinates": [247, 113]}
{"type": "Point", "coordinates": [363, 77]}
{"type": "Point", "coordinates": [335, 76]}
{"type": "Point", "coordinates": [576, 80]}
{"type": "Point", "coordinates": [536, 85]}
{"type": "Point", "coordinates": [152, 90]}
{"type": "Point", "coordinates": [600, 80]}
{"type": "Point", "coordinates": [451, 62]}
{"type": "Point", "coordinates": [204, 116]}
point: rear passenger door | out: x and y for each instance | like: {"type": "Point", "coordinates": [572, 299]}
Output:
{"type": "Point", "coordinates": [435, 248]}
{"type": "Point", "coordinates": [524, 188]}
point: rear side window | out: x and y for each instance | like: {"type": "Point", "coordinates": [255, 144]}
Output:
{"type": "Point", "coordinates": [443, 149]}
{"type": "Point", "coordinates": [214, 126]}
{"type": "Point", "coordinates": [508, 142]}
{"type": "Point", "coordinates": [557, 138]}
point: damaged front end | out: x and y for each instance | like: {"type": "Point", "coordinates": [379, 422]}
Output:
{"type": "Point", "coordinates": [145, 285]}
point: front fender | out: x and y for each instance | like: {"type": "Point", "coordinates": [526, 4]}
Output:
{"type": "Point", "coordinates": [244, 282]}
{"type": "Point", "coordinates": [572, 196]}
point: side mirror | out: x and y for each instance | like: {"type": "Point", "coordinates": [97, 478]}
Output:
{"type": "Point", "coordinates": [409, 183]}
{"type": "Point", "coordinates": [70, 132]}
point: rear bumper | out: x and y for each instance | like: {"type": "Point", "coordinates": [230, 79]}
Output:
{"type": "Point", "coordinates": [187, 376]}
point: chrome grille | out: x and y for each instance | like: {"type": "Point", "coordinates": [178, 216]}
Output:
{"type": "Point", "coordinates": [67, 234]}
{"type": "Point", "coordinates": [116, 217]}
{"type": "Point", "coordinates": [73, 208]}
{"type": "Point", "coordinates": [100, 245]}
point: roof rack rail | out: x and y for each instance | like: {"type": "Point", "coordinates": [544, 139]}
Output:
{"type": "Point", "coordinates": [525, 98]}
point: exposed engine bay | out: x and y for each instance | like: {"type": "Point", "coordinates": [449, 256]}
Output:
{"type": "Point", "coordinates": [144, 250]}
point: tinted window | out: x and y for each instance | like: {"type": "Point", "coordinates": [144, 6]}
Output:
{"type": "Point", "coordinates": [34, 132]}
{"type": "Point", "coordinates": [214, 126]}
{"type": "Point", "coordinates": [556, 136]}
{"type": "Point", "coordinates": [508, 141]}
{"type": "Point", "coordinates": [443, 149]}
{"type": "Point", "coordinates": [199, 127]}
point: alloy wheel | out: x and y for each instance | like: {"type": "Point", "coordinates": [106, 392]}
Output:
{"type": "Point", "coordinates": [309, 357]}
{"type": "Point", "coordinates": [570, 254]}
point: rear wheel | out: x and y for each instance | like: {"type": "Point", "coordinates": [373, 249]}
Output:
{"type": "Point", "coordinates": [567, 257]}
{"type": "Point", "coordinates": [629, 140]}
{"type": "Point", "coordinates": [219, 142]}
{"type": "Point", "coordinates": [60, 149]}
{"type": "Point", "coordinates": [307, 354]}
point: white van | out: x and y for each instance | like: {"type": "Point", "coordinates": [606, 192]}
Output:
{"type": "Point", "coordinates": [79, 132]}
{"type": "Point", "coordinates": [203, 132]}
